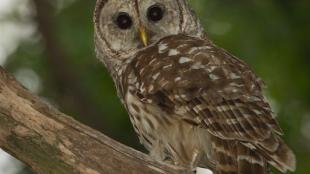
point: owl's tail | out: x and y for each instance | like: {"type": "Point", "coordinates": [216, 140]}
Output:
{"type": "Point", "coordinates": [250, 161]}
{"type": "Point", "coordinates": [233, 157]}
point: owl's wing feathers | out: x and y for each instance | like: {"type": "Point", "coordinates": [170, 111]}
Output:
{"type": "Point", "coordinates": [219, 91]}
{"type": "Point", "coordinates": [209, 87]}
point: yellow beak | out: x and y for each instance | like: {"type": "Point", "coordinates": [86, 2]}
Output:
{"type": "Point", "coordinates": [143, 35]}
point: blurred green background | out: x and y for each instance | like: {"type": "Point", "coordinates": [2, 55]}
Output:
{"type": "Point", "coordinates": [48, 46]}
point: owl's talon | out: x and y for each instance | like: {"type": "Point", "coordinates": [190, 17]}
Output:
{"type": "Point", "coordinates": [203, 171]}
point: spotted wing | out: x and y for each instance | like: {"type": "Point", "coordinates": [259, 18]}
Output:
{"type": "Point", "coordinates": [208, 87]}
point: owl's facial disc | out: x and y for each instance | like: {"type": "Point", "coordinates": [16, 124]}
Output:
{"type": "Point", "coordinates": [125, 27]}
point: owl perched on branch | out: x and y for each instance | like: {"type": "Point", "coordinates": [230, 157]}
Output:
{"type": "Point", "coordinates": [189, 101]}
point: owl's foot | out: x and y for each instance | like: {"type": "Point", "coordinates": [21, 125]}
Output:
{"type": "Point", "coordinates": [198, 170]}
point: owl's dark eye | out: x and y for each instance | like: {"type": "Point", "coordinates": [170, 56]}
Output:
{"type": "Point", "coordinates": [155, 13]}
{"type": "Point", "coordinates": [123, 21]}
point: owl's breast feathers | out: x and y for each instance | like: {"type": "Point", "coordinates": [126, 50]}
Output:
{"type": "Point", "coordinates": [217, 91]}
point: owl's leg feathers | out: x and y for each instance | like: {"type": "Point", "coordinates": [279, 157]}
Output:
{"type": "Point", "coordinates": [196, 156]}
{"type": "Point", "coordinates": [200, 163]}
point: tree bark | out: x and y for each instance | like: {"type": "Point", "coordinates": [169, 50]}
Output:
{"type": "Point", "coordinates": [52, 143]}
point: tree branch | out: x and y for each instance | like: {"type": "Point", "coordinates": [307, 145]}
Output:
{"type": "Point", "coordinates": [51, 142]}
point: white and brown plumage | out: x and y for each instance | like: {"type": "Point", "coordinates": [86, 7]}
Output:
{"type": "Point", "coordinates": [189, 101]}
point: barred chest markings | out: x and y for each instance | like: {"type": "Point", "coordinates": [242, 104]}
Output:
{"type": "Point", "coordinates": [141, 118]}
{"type": "Point", "coordinates": [165, 136]}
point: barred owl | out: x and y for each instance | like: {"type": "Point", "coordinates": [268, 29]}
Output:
{"type": "Point", "coordinates": [190, 101]}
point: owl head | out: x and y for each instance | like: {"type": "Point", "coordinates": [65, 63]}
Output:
{"type": "Point", "coordinates": [124, 27]}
